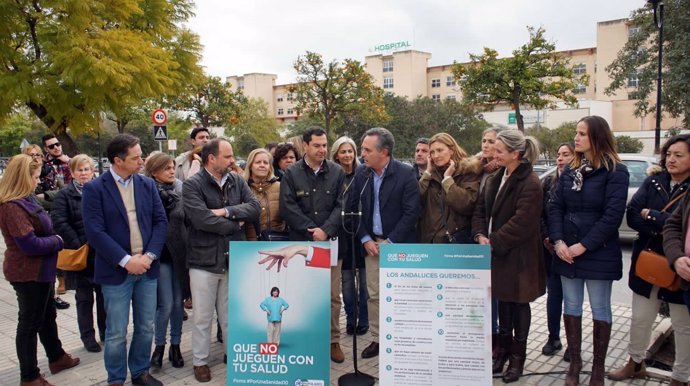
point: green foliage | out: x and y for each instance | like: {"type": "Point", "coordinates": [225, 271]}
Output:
{"type": "Point", "coordinates": [640, 55]}
{"type": "Point", "coordinates": [424, 117]}
{"type": "Point", "coordinates": [256, 124]}
{"type": "Point", "coordinates": [536, 76]}
{"type": "Point", "coordinates": [627, 144]}
{"type": "Point", "coordinates": [334, 92]}
{"type": "Point", "coordinates": [212, 102]}
{"type": "Point", "coordinates": [69, 60]}
{"type": "Point", "coordinates": [550, 139]}
{"type": "Point", "coordinates": [14, 129]}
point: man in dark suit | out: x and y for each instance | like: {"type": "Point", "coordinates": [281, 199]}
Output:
{"type": "Point", "coordinates": [126, 224]}
{"type": "Point", "coordinates": [386, 192]}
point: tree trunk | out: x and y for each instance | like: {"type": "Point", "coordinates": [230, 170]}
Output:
{"type": "Point", "coordinates": [69, 147]}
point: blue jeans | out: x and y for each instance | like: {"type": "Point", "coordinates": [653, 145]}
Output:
{"type": "Point", "coordinates": [349, 290]}
{"type": "Point", "coordinates": [140, 292]}
{"type": "Point", "coordinates": [554, 305]}
{"type": "Point", "coordinates": [169, 306]}
{"type": "Point", "coordinates": [599, 292]}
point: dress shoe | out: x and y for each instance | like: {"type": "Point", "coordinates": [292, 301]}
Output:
{"type": "Point", "coordinates": [552, 346]}
{"type": "Point", "coordinates": [91, 345]}
{"type": "Point", "coordinates": [65, 362]}
{"type": "Point", "coordinates": [61, 304]}
{"type": "Point", "coordinates": [146, 379]}
{"type": "Point", "coordinates": [350, 329]}
{"type": "Point", "coordinates": [40, 381]}
{"type": "Point", "coordinates": [157, 357]}
{"type": "Point", "coordinates": [371, 351]}
{"type": "Point", "coordinates": [175, 356]}
{"type": "Point", "coordinates": [630, 370]}
{"type": "Point", "coordinates": [337, 355]}
{"type": "Point", "coordinates": [202, 373]}
{"type": "Point", "coordinates": [361, 330]}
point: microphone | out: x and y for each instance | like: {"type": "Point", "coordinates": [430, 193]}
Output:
{"type": "Point", "coordinates": [361, 192]}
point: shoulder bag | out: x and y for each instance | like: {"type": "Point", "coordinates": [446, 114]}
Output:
{"type": "Point", "coordinates": [73, 259]}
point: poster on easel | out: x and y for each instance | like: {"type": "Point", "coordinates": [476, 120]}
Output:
{"type": "Point", "coordinates": [279, 313]}
{"type": "Point", "coordinates": [435, 315]}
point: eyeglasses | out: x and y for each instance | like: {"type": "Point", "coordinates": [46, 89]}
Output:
{"type": "Point", "coordinates": [34, 155]}
{"type": "Point", "coordinates": [52, 145]}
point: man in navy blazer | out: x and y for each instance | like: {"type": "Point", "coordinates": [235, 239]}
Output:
{"type": "Point", "coordinates": [386, 192]}
{"type": "Point", "coordinates": [126, 224]}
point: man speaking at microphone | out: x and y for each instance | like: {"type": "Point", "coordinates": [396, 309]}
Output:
{"type": "Point", "coordinates": [387, 192]}
{"type": "Point", "coordinates": [310, 204]}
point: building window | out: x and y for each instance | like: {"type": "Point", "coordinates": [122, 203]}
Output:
{"type": "Point", "coordinates": [388, 82]}
{"type": "Point", "coordinates": [580, 69]}
{"type": "Point", "coordinates": [279, 98]}
{"type": "Point", "coordinates": [633, 95]}
{"type": "Point", "coordinates": [388, 65]}
{"type": "Point", "coordinates": [435, 83]}
{"type": "Point", "coordinates": [290, 111]}
{"type": "Point", "coordinates": [451, 97]}
{"type": "Point", "coordinates": [240, 84]}
{"type": "Point", "coordinates": [450, 81]}
{"type": "Point", "coordinates": [633, 80]}
{"type": "Point", "coordinates": [580, 89]}
{"type": "Point", "coordinates": [633, 30]}
{"type": "Point", "coordinates": [290, 96]}
{"type": "Point", "coordinates": [280, 111]}
{"type": "Point", "coordinates": [436, 97]}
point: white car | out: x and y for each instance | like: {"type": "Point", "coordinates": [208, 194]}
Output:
{"type": "Point", "coordinates": [637, 168]}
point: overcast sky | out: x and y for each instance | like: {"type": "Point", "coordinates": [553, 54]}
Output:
{"type": "Point", "coordinates": [266, 36]}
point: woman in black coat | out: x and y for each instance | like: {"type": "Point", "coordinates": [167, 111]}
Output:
{"type": "Point", "coordinates": [68, 223]}
{"type": "Point", "coordinates": [666, 185]}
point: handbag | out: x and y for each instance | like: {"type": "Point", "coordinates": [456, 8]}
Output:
{"type": "Point", "coordinates": [73, 259]}
{"type": "Point", "coordinates": [653, 267]}
{"type": "Point", "coordinates": [270, 234]}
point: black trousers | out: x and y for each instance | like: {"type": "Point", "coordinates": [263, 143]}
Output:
{"type": "Point", "coordinates": [84, 296]}
{"type": "Point", "coordinates": [36, 318]}
{"type": "Point", "coordinates": [514, 320]}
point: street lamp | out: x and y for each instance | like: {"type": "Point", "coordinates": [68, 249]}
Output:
{"type": "Point", "coordinates": [658, 7]}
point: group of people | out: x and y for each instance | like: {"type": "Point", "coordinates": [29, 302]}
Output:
{"type": "Point", "coordinates": [160, 238]}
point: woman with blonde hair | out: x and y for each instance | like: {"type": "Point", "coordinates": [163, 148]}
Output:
{"type": "Point", "coordinates": [344, 153]}
{"type": "Point", "coordinates": [30, 266]}
{"type": "Point", "coordinates": [266, 187]}
{"type": "Point", "coordinates": [507, 217]}
{"type": "Point", "coordinates": [586, 210]}
{"type": "Point", "coordinates": [69, 224]}
{"type": "Point", "coordinates": [449, 187]}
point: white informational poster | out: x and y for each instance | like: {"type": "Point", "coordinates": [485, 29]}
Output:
{"type": "Point", "coordinates": [435, 315]}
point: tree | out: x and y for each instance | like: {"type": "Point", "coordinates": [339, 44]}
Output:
{"type": "Point", "coordinates": [639, 56]}
{"type": "Point", "coordinates": [551, 139]}
{"type": "Point", "coordinates": [334, 91]}
{"type": "Point", "coordinates": [627, 144]}
{"type": "Point", "coordinates": [68, 61]}
{"type": "Point", "coordinates": [535, 76]}
{"type": "Point", "coordinates": [257, 124]}
{"type": "Point", "coordinates": [212, 102]}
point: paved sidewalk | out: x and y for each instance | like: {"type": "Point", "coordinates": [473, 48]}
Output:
{"type": "Point", "coordinates": [92, 372]}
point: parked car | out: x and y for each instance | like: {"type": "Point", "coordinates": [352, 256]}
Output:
{"type": "Point", "coordinates": [637, 168]}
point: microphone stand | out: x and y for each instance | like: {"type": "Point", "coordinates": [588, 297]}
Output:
{"type": "Point", "coordinates": [356, 378]}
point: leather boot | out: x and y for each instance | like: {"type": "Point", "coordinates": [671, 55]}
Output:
{"type": "Point", "coordinates": [573, 333]}
{"type": "Point", "coordinates": [40, 381]}
{"type": "Point", "coordinates": [157, 357]}
{"type": "Point", "coordinates": [602, 334]}
{"type": "Point", "coordinates": [175, 356]}
{"type": "Point", "coordinates": [630, 370]}
{"type": "Point", "coordinates": [518, 354]}
{"type": "Point", "coordinates": [502, 353]}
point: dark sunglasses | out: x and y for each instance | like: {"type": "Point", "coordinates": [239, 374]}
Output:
{"type": "Point", "coordinates": [52, 145]}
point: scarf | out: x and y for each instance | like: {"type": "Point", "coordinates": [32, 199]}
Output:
{"type": "Point", "coordinates": [580, 173]}
{"type": "Point", "coordinates": [169, 197]}
{"type": "Point", "coordinates": [77, 186]}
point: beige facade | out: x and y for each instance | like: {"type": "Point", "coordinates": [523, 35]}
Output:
{"type": "Point", "coordinates": [407, 73]}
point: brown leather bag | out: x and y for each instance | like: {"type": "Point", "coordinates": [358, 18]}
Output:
{"type": "Point", "coordinates": [73, 259]}
{"type": "Point", "coordinates": [653, 268]}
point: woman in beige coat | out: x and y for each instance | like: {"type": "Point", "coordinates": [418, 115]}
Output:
{"type": "Point", "coordinates": [266, 187]}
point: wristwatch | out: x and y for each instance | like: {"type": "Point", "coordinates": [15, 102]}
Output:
{"type": "Point", "coordinates": [152, 256]}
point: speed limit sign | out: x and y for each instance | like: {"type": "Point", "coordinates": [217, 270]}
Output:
{"type": "Point", "coordinates": [159, 117]}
